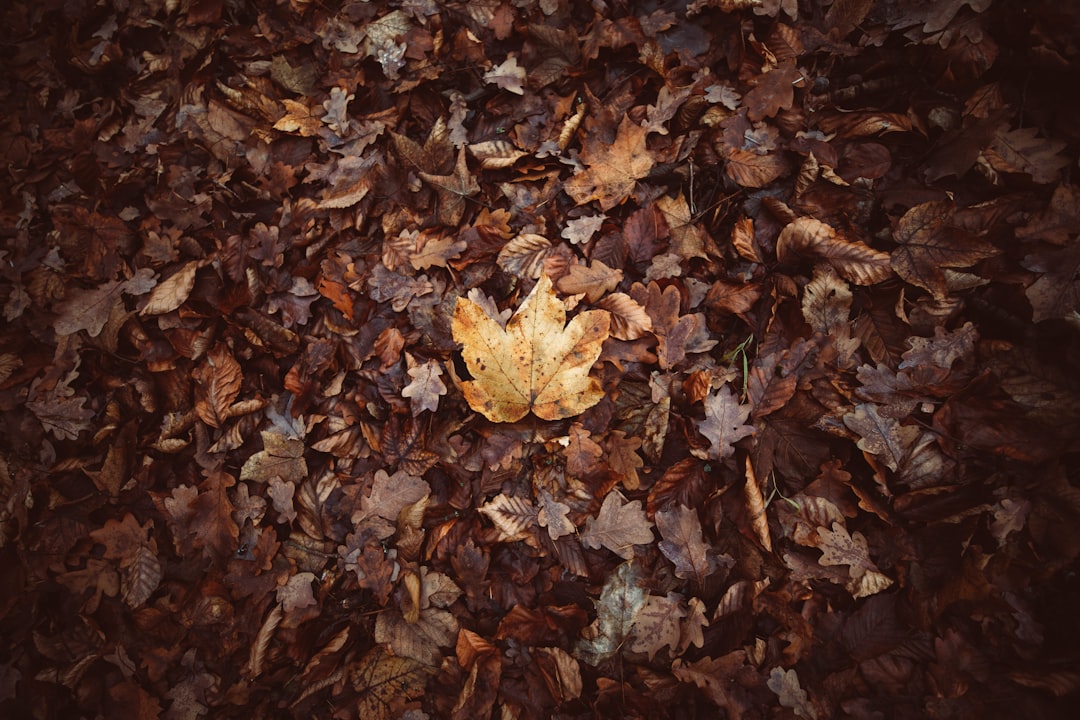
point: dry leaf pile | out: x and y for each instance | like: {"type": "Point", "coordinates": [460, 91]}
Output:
{"type": "Point", "coordinates": [532, 358]}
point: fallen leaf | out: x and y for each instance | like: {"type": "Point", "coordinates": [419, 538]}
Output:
{"type": "Point", "coordinates": [620, 601]}
{"type": "Point", "coordinates": [534, 364]}
{"type": "Point", "coordinates": [613, 168]}
{"type": "Point", "coordinates": [658, 624]}
{"type": "Point", "coordinates": [683, 543]}
{"type": "Point", "coordinates": [724, 423]}
{"type": "Point", "coordinates": [619, 526]}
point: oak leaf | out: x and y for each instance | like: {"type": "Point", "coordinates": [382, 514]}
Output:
{"type": "Point", "coordinates": [658, 624]}
{"type": "Point", "coordinates": [619, 526]}
{"type": "Point", "coordinates": [535, 363]}
{"type": "Point", "coordinates": [725, 423]}
{"type": "Point", "coordinates": [426, 386]}
{"type": "Point", "coordinates": [552, 515]}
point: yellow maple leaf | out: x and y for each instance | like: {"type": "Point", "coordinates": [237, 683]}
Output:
{"type": "Point", "coordinates": [534, 363]}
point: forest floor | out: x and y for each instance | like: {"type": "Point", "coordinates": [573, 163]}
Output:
{"type": "Point", "coordinates": [533, 358]}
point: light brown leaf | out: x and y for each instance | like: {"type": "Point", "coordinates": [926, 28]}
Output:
{"type": "Point", "coordinates": [534, 364]}
{"type": "Point", "coordinates": [171, 293]}
{"type": "Point", "coordinates": [552, 515]}
{"type": "Point", "coordinates": [629, 320]}
{"type": "Point", "coordinates": [785, 683]}
{"type": "Point", "coordinates": [426, 386]}
{"type": "Point", "coordinates": [658, 624]}
{"type": "Point", "coordinates": [857, 262]}
{"type": "Point", "coordinates": [724, 423]}
{"type": "Point", "coordinates": [613, 168]}
{"type": "Point", "coordinates": [619, 526]}
{"type": "Point", "coordinates": [513, 516]}
{"type": "Point", "coordinates": [509, 76]}
{"type": "Point", "coordinates": [217, 385]}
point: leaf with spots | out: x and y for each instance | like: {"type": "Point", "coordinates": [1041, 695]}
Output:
{"type": "Point", "coordinates": [537, 363]}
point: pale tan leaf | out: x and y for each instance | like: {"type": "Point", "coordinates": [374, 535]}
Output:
{"type": "Point", "coordinates": [496, 154]}
{"type": "Point", "coordinates": [262, 642]}
{"type": "Point", "coordinates": [580, 230]}
{"type": "Point", "coordinates": [426, 386]}
{"type": "Point", "coordinates": [509, 76]}
{"type": "Point", "coordinates": [171, 293]}
{"type": "Point", "coordinates": [524, 256]}
{"type": "Point", "coordinates": [785, 683]}
{"type": "Point", "coordinates": [857, 262]}
{"type": "Point", "coordinates": [592, 281]}
{"type": "Point", "coordinates": [629, 319]}
{"type": "Point", "coordinates": [514, 517]}
{"type": "Point", "coordinates": [658, 624]}
{"type": "Point", "coordinates": [619, 526]}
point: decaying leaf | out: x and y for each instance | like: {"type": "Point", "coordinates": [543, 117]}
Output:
{"type": "Point", "coordinates": [618, 606]}
{"type": "Point", "coordinates": [534, 364]}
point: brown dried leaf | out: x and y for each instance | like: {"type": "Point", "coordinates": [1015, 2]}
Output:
{"type": "Point", "coordinates": [658, 624]}
{"type": "Point", "coordinates": [683, 543]}
{"type": "Point", "coordinates": [385, 682]}
{"type": "Point", "coordinates": [514, 517]}
{"type": "Point", "coordinates": [619, 526]}
{"type": "Point", "coordinates": [724, 423]}
{"type": "Point", "coordinates": [855, 261]}
{"type": "Point", "coordinates": [928, 243]}
{"type": "Point", "coordinates": [217, 385]}
{"type": "Point", "coordinates": [171, 293]}
{"type": "Point", "coordinates": [613, 168]}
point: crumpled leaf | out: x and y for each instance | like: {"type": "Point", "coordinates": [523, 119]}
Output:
{"type": "Point", "coordinates": [534, 364]}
